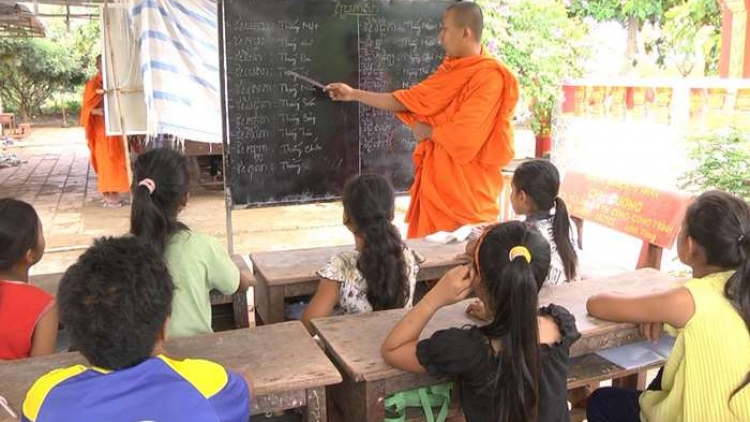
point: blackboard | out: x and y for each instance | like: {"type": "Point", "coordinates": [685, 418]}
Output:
{"type": "Point", "coordinates": [285, 140]}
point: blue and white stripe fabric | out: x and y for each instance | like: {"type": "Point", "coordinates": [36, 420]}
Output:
{"type": "Point", "coordinates": [178, 43]}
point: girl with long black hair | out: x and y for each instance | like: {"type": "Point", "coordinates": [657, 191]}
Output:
{"type": "Point", "coordinates": [382, 272]}
{"type": "Point", "coordinates": [513, 368]}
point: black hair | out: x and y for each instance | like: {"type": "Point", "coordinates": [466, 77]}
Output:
{"type": "Point", "coordinates": [720, 223]}
{"type": "Point", "coordinates": [369, 202]}
{"type": "Point", "coordinates": [153, 216]}
{"type": "Point", "coordinates": [540, 180]}
{"type": "Point", "coordinates": [512, 288]}
{"type": "Point", "coordinates": [468, 14]}
{"type": "Point", "coordinates": [19, 231]}
{"type": "Point", "coordinates": [115, 300]}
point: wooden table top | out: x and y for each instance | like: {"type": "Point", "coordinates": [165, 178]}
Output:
{"type": "Point", "coordinates": [300, 265]}
{"type": "Point", "coordinates": [50, 282]}
{"type": "Point", "coordinates": [279, 358]}
{"type": "Point", "coordinates": [355, 340]}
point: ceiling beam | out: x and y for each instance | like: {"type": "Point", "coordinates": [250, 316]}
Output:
{"type": "Point", "coordinates": [76, 3]}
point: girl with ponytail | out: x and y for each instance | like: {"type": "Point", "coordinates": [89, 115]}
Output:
{"type": "Point", "coordinates": [535, 187]}
{"type": "Point", "coordinates": [512, 368]}
{"type": "Point", "coordinates": [198, 263]}
{"type": "Point", "coordinates": [707, 374]}
{"type": "Point", "coordinates": [382, 272]}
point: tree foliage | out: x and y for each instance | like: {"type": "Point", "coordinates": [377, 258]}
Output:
{"type": "Point", "coordinates": [621, 10]}
{"type": "Point", "coordinates": [32, 69]}
{"type": "Point", "coordinates": [691, 33]}
{"type": "Point", "coordinates": [690, 28]}
{"type": "Point", "coordinates": [720, 160]}
{"type": "Point", "coordinates": [542, 45]}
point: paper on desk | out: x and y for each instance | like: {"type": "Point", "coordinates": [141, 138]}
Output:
{"type": "Point", "coordinates": [449, 237]}
{"type": "Point", "coordinates": [640, 354]}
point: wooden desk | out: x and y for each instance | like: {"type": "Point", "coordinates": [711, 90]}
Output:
{"type": "Point", "coordinates": [7, 119]}
{"type": "Point", "coordinates": [50, 283]}
{"type": "Point", "coordinates": [354, 341]}
{"type": "Point", "coordinates": [283, 274]}
{"type": "Point", "coordinates": [287, 367]}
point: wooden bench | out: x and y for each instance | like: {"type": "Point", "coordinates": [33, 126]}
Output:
{"type": "Point", "coordinates": [353, 341]}
{"type": "Point", "coordinates": [50, 283]}
{"type": "Point", "coordinates": [287, 367]}
{"type": "Point", "coordinates": [649, 214]}
{"type": "Point", "coordinates": [284, 274]}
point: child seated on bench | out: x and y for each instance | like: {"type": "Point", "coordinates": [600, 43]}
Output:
{"type": "Point", "coordinates": [28, 314]}
{"type": "Point", "coordinates": [706, 376]}
{"type": "Point", "coordinates": [198, 262]}
{"type": "Point", "coordinates": [382, 273]}
{"type": "Point", "coordinates": [535, 188]}
{"type": "Point", "coordinates": [115, 301]}
{"type": "Point", "coordinates": [513, 368]}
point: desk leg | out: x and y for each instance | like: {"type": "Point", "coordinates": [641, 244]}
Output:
{"type": "Point", "coordinates": [316, 405]}
{"type": "Point", "coordinates": [360, 401]}
{"type": "Point", "coordinates": [635, 381]}
{"type": "Point", "coordinates": [239, 307]}
{"type": "Point", "coordinates": [276, 302]}
{"type": "Point", "coordinates": [269, 301]}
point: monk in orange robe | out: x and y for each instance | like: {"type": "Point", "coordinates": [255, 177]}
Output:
{"type": "Point", "coordinates": [107, 152]}
{"type": "Point", "coordinates": [461, 117]}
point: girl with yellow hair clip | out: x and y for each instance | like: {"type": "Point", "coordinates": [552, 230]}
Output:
{"type": "Point", "coordinates": [513, 366]}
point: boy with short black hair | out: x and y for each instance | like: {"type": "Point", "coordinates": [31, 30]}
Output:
{"type": "Point", "coordinates": [115, 302]}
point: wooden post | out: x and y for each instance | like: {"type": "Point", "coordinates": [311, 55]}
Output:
{"type": "Point", "coordinates": [735, 39]}
{"type": "Point", "coordinates": [116, 83]}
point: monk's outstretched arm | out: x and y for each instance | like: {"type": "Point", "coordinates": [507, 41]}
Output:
{"type": "Point", "coordinates": [467, 131]}
{"type": "Point", "coordinates": [384, 101]}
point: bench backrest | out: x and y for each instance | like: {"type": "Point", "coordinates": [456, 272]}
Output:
{"type": "Point", "coordinates": [649, 214]}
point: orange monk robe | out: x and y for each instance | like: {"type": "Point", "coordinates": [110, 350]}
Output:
{"type": "Point", "coordinates": [107, 152]}
{"type": "Point", "coordinates": [469, 102]}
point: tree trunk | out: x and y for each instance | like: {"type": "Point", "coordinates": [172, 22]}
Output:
{"type": "Point", "coordinates": [633, 25]}
{"type": "Point", "coordinates": [62, 107]}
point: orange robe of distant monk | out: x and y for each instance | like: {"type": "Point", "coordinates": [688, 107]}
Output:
{"type": "Point", "coordinates": [107, 152]}
{"type": "Point", "coordinates": [469, 102]}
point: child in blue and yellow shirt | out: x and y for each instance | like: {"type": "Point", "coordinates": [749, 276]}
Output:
{"type": "Point", "coordinates": [115, 301]}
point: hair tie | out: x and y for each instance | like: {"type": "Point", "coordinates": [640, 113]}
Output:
{"type": "Point", "coordinates": [517, 251]}
{"type": "Point", "coordinates": [553, 210]}
{"type": "Point", "coordinates": [149, 184]}
{"type": "Point", "coordinates": [741, 238]}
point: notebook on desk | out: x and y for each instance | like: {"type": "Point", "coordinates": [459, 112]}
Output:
{"type": "Point", "coordinates": [640, 354]}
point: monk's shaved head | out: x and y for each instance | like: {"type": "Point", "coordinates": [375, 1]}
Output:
{"type": "Point", "coordinates": [467, 14]}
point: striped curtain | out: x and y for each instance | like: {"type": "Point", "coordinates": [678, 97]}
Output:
{"type": "Point", "coordinates": [179, 58]}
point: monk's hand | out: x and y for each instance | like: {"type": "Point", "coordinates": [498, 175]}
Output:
{"type": "Point", "coordinates": [421, 131]}
{"type": "Point", "coordinates": [453, 287]}
{"type": "Point", "coordinates": [98, 112]}
{"type": "Point", "coordinates": [340, 92]}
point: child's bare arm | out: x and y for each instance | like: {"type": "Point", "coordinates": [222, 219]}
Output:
{"type": "Point", "coordinates": [322, 304]}
{"type": "Point", "coordinates": [400, 347]}
{"type": "Point", "coordinates": [674, 307]}
{"type": "Point", "coordinates": [44, 339]}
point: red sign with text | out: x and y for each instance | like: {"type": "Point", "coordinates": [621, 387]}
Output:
{"type": "Point", "coordinates": [646, 213]}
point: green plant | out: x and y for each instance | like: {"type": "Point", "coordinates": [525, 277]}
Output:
{"type": "Point", "coordinates": [719, 160]}
{"type": "Point", "coordinates": [542, 45]}
{"type": "Point", "coordinates": [690, 31]}
{"type": "Point", "coordinates": [32, 70]}
{"type": "Point", "coordinates": [631, 13]}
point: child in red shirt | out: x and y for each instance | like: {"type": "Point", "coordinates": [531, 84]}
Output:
{"type": "Point", "coordinates": [28, 315]}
